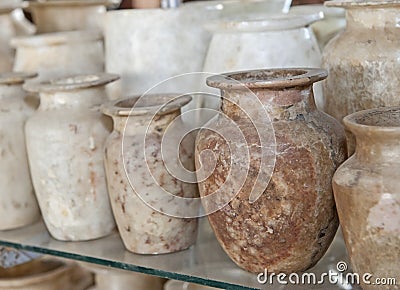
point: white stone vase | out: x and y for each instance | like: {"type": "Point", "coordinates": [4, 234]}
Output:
{"type": "Point", "coordinates": [60, 54]}
{"type": "Point", "coordinates": [17, 199]}
{"type": "Point", "coordinates": [276, 41]}
{"type": "Point", "coordinates": [147, 46]}
{"type": "Point", "coordinates": [65, 142]}
{"type": "Point", "coordinates": [67, 15]}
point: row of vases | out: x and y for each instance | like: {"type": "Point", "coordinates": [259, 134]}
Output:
{"type": "Point", "coordinates": [246, 230]}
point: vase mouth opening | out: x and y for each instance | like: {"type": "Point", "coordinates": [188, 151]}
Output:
{"type": "Point", "coordinates": [71, 83]}
{"type": "Point", "coordinates": [14, 78]}
{"type": "Point", "coordinates": [353, 4]}
{"type": "Point", "coordinates": [267, 78]}
{"type": "Point", "coordinates": [380, 119]}
{"type": "Point", "coordinates": [154, 104]}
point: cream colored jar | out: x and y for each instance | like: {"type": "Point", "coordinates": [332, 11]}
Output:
{"type": "Point", "coordinates": [65, 142]}
{"type": "Point", "coordinates": [18, 206]}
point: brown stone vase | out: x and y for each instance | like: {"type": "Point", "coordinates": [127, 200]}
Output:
{"type": "Point", "coordinates": [290, 225]}
{"type": "Point", "coordinates": [367, 194]}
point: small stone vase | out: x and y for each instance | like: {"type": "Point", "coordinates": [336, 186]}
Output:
{"type": "Point", "coordinates": [362, 62]}
{"type": "Point", "coordinates": [60, 54]}
{"type": "Point", "coordinates": [292, 220]}
{"type": "Point", "coordinates": [367, 195]}
{"type": "Point", "coordinates": [17, 199]}
{"type": "Point", "coordinates": [65, 142]}
{"type": "Point", "coordinates": [142, 189]}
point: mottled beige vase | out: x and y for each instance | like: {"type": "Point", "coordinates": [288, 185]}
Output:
{"type": "Point", "coordinates": [367, 194]}
{"type": "Point", "coordinates": [143, 192]}
{"type": "Point", "coordinates": [292, 223]}
{"type": "Point", "coordinates": [363, 62]}
{"type": "Point", "coordinates": [65, 141]}
{"type": "Point", "coordinates": [17, 200]}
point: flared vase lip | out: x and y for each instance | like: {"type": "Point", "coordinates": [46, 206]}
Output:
{"type": "Point", "coordinates": [349, 4]}
{"type": "Point", "coordinates": [156, 104]}
{"type": "Point", "coordinates": [74, 82]}
{"type": "Point", "coordinates": [264, 23]}
{"type": "Point", "coordinates": [362, 121]}
{"type": "Point", "coordinates": [61, 3]}
{"type": "Point", "coordinates": [275, 78]}
{"type": "Point", "coordinates": [10, 78]}
{"type": "Point", "coordinates": [57, 38]}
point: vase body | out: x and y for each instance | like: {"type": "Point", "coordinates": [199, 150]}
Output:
{"type": "Point", "coordinates": [362, 61]}
{"type": "Point", "coordinates": [366, 189]}
{"type": "Point", "coordinates": [60, 54]}
{"type": "Point", "coordinates": [12, 23]}
{"type": "Point", "coordinates": [277, 41]}
{"type": "Point", "coordinates": [65, 142]}
{"type": "Point", "coordinates": [56, 16]}
{"type": "Point", "coordinates": [143, 229]}
{"type": "Point", "coordinates": [291, 225]}
{"type": "Point", "coordinates": [143, 61]}
{"type": "Point", "coordinates": [18, 203]}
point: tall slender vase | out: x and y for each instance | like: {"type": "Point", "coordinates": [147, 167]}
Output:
{"type": "Point", "coordinates": [17, 199]}
{"type": "Point", "coordinates": [65, 141]}
{"type": "Point", "coordinates": [367, 195]}
{"type": "Point", "coordinates": [363, 62]}
{"type": "Point", "coordinates": [292, 223]}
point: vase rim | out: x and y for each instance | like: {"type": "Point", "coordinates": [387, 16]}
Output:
{"type": "Point", "coordinates": [156, 104]}
{"type": "Point", "coordinates": [71, 83]}
{"type": "Point", "coordinates": [57, 38]}
{"type": "Point", "coordinates": [368, 120]}
{"type": "Point", "coordinates": [268, 22]}
{"type": "Point", "coordinates": [267, 78]}
{"type": "Point", "coordinates": [348, 4]}
{"type": "Point", "coordinates": [9, 78]}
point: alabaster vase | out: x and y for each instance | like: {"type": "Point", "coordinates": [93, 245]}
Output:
{"type": "Point", "coordinates": [147, 197]}
{"type": "Point", "coordinates": [268, 162]}
{"type": "Point", "coordinates": [65, 142]}
{"type": "Point", "coordinates": [17, 199]}
{"type": "Point", "coordinates": [367, 195]}
{"type": "Point", "coordinates": [60, 54]}
{"type": "Point", "coordinates": [363, 62]}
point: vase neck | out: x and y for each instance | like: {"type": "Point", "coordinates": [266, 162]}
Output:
{"type": "Point", "coordinates": [373, 18]}
{"type": "Point", "coordinates": [378, 148]}
{"type": "Point", "coordinates": [75, 99]}
{"type": "Point", "coordinates": [281, 104]}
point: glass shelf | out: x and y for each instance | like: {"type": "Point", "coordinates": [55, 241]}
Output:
{"type": "Point", "coordinates": [204, 263]}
